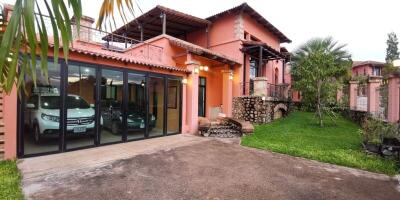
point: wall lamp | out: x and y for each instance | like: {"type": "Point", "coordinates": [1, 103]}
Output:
{"type": "Point", "coordinates": [196, 70]}
{"type": "Point", "coordinates": [184, 80]}
{"type": "Point", "coordinates": [231, 76]}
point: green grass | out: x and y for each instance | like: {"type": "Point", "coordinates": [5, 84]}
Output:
{"type": "Point", "coordinates": [10, 179]}
{"type": "Point", "coordinates": [337, 142]}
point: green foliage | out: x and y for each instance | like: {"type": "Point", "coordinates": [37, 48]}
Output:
{"type": "Point", "coordinates": [318, 68]}
{"type": "Point", "coordinates": [10, 180]}
{"type": "Point", "coordinates": [337, 142]}
{"type": "Point", "coordinates": [392, 52]}
{"type": "Point", "coordinates": [373, 130]}
{"type": "Point", "coordinates": [26, 35]}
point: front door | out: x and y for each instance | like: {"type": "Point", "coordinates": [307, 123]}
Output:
{"type": "Point", "coordinates": [202, 96]}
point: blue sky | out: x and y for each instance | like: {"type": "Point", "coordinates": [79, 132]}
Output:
{"type": "Point", "coordinates": [362, 25]}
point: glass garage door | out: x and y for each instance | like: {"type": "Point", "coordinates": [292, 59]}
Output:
{"type": "Point", "coordinates": [84, 105]}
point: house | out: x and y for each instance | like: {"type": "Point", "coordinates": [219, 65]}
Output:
{"type": "Point", "coordinates": [367, 68]}
{"type": "Point", "coordinates": [152, 77]}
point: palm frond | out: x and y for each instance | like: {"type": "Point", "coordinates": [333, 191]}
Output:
{"type": "Point", "coordinates": [26, 36]}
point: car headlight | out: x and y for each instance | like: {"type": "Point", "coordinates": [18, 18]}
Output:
{"type": "Point", "coordinates": [50, 118]}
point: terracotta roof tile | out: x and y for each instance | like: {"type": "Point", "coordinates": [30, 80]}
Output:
{"type": "Point", "coordinates": [368, 62]}
{"type": "Point", "coordinates": [97, 50]}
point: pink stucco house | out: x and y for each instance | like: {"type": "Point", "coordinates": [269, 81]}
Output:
{"type": "Point", "coordinates": [152, 77]}
{"type": "Point", "coordinates": [367, 68]}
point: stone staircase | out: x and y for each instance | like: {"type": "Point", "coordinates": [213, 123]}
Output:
{"type": "Point", "coordinates": [2, 136]}
{"type": "Point", "coordinates": [223, 128]}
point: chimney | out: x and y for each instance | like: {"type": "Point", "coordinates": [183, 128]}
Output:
{"type": "Point", "coordinates": [85, 32]}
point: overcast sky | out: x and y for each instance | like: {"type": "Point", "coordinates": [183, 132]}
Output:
{"type": "Point", "coordinates": [361, 24]}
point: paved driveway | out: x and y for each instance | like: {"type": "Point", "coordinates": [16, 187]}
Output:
{"type": "Point", "coordinates": [211, 169]}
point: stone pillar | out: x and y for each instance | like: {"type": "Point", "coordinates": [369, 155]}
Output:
{"type": "Point", "coordinates": [373, 85]}
{"type": "Point", "coordinates": [260, 86]}
{"type": "Point", "coordinates": [353, 95]}
{"type": "Point", "coordinates": [192, 99]}
{"type": "Point", "coordinates": [227, 95]}
{"type": "Point", "coordinates": [394, 99]}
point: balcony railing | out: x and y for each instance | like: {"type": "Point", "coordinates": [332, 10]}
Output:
{"type": "Point", "coordinates": [275, 91]}
{"type": "Point", "coordinates": [113, 44]}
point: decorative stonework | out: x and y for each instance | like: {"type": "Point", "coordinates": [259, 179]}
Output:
{"type": "Point", "coordinates": [258, 110]}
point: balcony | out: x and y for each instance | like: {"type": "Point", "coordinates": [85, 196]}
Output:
{"type": "Point", "coordinates": [260, 87]}
{"type": "Point", "coordinates": [99, 42]}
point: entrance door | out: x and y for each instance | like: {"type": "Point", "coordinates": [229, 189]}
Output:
{"type": "Point", "coordinates": [202, 96]}
{"type": "Point", "coordinates": [156, 106]}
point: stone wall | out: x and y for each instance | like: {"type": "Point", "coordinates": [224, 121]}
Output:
{"type": "Point", "coordinates": [258, 110]}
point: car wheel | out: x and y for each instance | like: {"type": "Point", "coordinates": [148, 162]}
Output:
{"type": "Point", "coordinates": [36, 134]}
{"type": "Point", "coordinates": [114, 128]}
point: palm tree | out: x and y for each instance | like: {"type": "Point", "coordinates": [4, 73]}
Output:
{"type": "Point", "coordinates": [317, 67]}
{"type": "Point", "coordinates": [26, 35]}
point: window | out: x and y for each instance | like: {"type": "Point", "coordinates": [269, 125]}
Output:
{"type": "Point", "coordinates": [376, 71]}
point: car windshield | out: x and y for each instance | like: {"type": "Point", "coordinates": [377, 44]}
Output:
{"type": "Point", "coordinates": [53, 102]}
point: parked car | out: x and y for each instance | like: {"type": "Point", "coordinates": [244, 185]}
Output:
{"type": "Point", "coordinates": [112, 115]}
{"type": "Point", "coordinates": [43, 115]}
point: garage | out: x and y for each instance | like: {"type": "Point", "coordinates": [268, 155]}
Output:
{"type": "Point", "coordinates": [81, 105]}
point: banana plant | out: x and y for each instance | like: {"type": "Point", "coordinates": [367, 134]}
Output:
{"type": "Point", "coordinates": [26, 35]}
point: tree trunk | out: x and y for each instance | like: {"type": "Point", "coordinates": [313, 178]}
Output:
{"type": "Point", "coordinates": [319, 109]}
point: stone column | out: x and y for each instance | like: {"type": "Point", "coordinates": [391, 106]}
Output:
{"type": "Point", "coordinates": [192, 99]}
{"type": "Point", "coordinates": [373, 85]}
{"type": "Point", "coordinates": [394, 99]}
{"type": "Point", "coordinates": [260, 86]}
{"type": "Point", "coordinates": [227, 92]}
{"type": "Point", "coordinates": [353, 94]}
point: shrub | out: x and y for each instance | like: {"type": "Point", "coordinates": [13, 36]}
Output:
{"type": "Point", "coordinates": [374, 130]}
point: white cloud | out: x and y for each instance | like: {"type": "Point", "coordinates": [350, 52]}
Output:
{"type": "Point", "coordinates": [363, 25]}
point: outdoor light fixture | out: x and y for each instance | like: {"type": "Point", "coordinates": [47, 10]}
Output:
{"type": "Point", "coordinates": [263, 98]}
{"type": "Point", "coordinates": [206, 68]}
{"type": "Point", "coordinates": [231, 76]}
{"type": "Point", "coordinates": [142, 84]}
{"type": "Point", "coordinates": [396, 63]}
{"type": "Point", "coordinates": [196, 70]}
{"type": "Point", "coordinates": [201, 68]}
{"type": "Point", "coordinates": [184, 81]}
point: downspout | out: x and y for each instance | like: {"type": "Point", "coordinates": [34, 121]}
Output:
{"type": "Point", "coordinates": [283, 72]}
{"type": "Point", "coordinates": [244, 74]}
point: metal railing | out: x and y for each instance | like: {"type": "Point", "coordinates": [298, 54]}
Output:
{"type": "Point", "coordinates": [111, 42]}
{"type": "Point", "coordinates": [277, 91]}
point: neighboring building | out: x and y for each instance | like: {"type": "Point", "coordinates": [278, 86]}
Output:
{"type": "Point", "coordinates": [367, 68]}
{"type": "Point", "coordinates": [152, 77]}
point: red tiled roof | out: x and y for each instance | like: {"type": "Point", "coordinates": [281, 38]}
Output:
{"type": "Point", "coordinates": [200, 50]}
{"type": "Point", "coordinates": [80, 47]}
{"type": "Point", "coordinates": [256, 16]}
{"type": "Point", "coordinates": [368, 62]}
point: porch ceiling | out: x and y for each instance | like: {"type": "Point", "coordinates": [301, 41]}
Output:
{"type": "Point", "coordinates": [252, 48]}
{"type": "Point", "coordinates": [178, 24]}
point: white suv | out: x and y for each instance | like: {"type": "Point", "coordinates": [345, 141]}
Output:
{"type": "Point", "coordinates": [42, 115]}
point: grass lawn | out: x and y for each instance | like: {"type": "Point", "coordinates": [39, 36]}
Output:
{"type": "Point", "coordinates": [10, 179]}
{"type": "Point", "coordinates": [337, 143]}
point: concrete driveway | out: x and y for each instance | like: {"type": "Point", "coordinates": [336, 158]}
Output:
{"type": "Point", "coordinates": [198, 168]}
